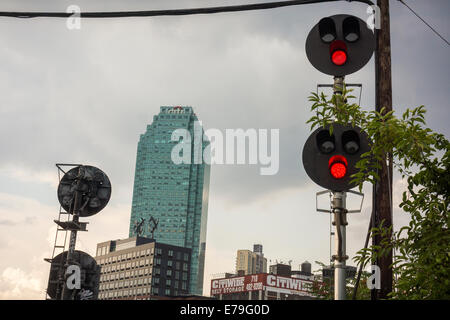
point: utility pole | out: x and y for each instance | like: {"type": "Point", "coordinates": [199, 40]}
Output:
{"type": "Point", "coordinates": [382, 191]}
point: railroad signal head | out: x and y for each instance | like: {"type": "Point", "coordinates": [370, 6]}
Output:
{"type": "Point", "coordinates": [340, 45]}
{"type": "Point", "coordinates": [330, 160]}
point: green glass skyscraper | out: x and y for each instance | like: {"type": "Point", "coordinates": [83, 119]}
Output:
{"type": "Point", "coordinates": [176, 195]}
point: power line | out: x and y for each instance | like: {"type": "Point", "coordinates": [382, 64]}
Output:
{"type": "Point", "coordinates": [172, 12]}
{"type": "Point", "coordinates": [425, 22]}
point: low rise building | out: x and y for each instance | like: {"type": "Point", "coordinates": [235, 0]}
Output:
{"type": "Point", "coordinates": [140, 268]}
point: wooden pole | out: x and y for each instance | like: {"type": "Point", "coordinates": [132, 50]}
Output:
{"type": "Point", "coordinates": [382, 191]}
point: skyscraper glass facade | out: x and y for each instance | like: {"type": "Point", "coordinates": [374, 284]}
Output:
{"type": "Point", "coordinates": [174, 194]}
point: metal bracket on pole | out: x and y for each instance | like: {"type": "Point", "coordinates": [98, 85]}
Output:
{"type": "Point", "coordinates": [317, 204]}
{"type": "Point", "coordinates": [347, 85]}
{"type": "Point", "coordinates": [362, 200]}
{"type": "Point", "coordinates": [330, 193]}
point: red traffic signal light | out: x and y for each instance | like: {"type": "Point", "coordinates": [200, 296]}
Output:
{"type": "Point", "coordinates": [340, 45]}
{"type": "Point", "coordinates": [338, 166]}
{"type": "Point", "coordinates": [339, 57]}
{"type": "Point", "coordinates": [330, 159]}
{"type": "Point", "coordinates": [338, 51]}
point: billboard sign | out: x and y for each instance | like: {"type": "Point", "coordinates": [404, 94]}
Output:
{"type": "Point", "coordinates": [261, 281]}
{"type": "Point", "coordinates": [288, 285]}
{"type": "Point", "coordinates": [238, 284]}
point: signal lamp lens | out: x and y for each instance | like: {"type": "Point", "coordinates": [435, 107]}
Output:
{"type": "Point", "coordinates": [338, 51]}
{"type": "Point", "coordinates": [351, 147]}
{"type": "Point", "coordinates": [350, 141]}
{"type": "Point", "coordinates": [327, 30]}
{"type": "Point", "coordinates": [327, 147]}
{"type": "Point", "coordinates": [339, 57]}
{"type": "Point", "coordinates": [328, 37]}
{"type": "Point", "coordinates": [338, 170]}
{"type": "Point", "coordinates": [350, 28]}
{"type": "Point", "coordinates": [338, 166]}
{"type": "Point", "coordinates": [352, 37]}
{"type": "Point", "coordinates": [325, 141]}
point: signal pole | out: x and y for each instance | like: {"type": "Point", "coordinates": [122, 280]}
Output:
{"type": "Point", "coordinates": [382, 190]}
{"type": "Point", "coordinates": [338, 45]}
{"type": "Point", "coordinates": [340, 221]}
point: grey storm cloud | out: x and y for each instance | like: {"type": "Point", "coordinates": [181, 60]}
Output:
{"type": "Point", "coordinates": [85, 96]}
{"type": "Point", "coordinates": [10, 223]}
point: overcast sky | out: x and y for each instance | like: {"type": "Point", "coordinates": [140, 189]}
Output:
{"type": "Point", "coordinates": [85, 96]}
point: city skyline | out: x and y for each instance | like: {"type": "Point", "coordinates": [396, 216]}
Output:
{"type": "Point", "coordinates": [85, 96]}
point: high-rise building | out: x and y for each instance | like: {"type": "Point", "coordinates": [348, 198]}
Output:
{"type": "Point", "coordinates": [173, 193]}
{"type": "Point", "coordinates": [140, 268]}
{"type": "Point", "coordinates": [251, 262]}
{"type": "Point", "coordinates": [280, 269]}
{"type": "Point", "coordinates": [244, 261]}
{"type": "Point", "coordinates": [258, 248]}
